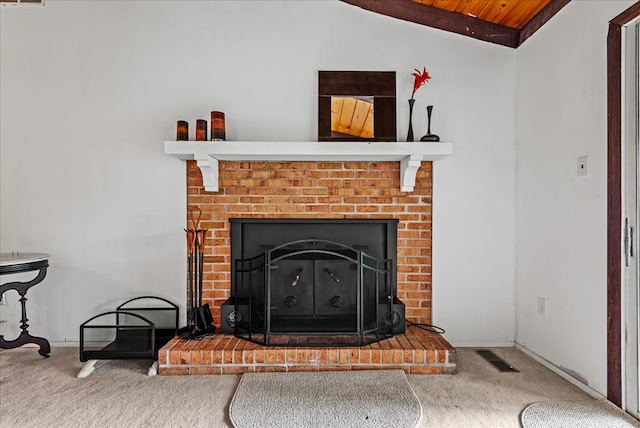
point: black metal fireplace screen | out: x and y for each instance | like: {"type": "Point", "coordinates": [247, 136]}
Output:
{"type": "Point", "coordinates": [315, 292]}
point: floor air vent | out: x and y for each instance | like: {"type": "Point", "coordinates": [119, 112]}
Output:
{"type": "Point", "coordinates": [496, 361]}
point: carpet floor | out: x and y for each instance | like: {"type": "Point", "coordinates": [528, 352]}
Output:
{"type": "Point", "coordinates": [44, 392]}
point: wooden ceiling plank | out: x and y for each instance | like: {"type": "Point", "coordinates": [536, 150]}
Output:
{"type": "Point", "coordinates": [541, 18]}
{"type": "Point", "coordinates": [522, 13]}
{"type": "Point", "coordinates": [450, 5]}
{"type": "Point", "coordinates": [495, 11]}
{"type": "Point", "coordinates": [472, 7]}
{"type": "Point", "coordinates": [411, 11]}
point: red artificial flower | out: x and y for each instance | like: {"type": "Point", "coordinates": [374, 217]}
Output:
{"type": "Point", "coordinates": [421, 79]}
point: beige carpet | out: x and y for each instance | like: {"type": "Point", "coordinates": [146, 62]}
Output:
{"type": "Point", "coordinates": [346, 399]}
{"type": "Point", "coordinates": [44, 392]}
{"type": "Point", "coordinates": [588, 414]}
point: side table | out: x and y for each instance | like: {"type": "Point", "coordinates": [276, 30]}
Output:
{"type": "Point", "coordinates": [12, 263]}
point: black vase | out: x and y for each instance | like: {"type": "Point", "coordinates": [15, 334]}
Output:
{"type": "Point", "coordinates": [410, 131]}
{"type": "Point", "coordinates": [429, 136]}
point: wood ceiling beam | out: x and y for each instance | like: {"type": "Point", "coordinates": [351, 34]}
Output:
{"type": "Point", "coordinates": [541, 18]}
{"type": "Point", "coordinates": [411, 11]}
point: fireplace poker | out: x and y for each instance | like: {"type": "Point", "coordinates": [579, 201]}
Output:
{"type": "Point", "coordinates": [191, 238]}
{"type": "Point", "coordinates": [203, 312]}
{"type": "Point", "coordinates": [201, 248]}
{"type": "Point", "coordinates": [193, 263]}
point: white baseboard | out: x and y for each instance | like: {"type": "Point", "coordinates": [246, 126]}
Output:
{"type": "Point", "coordinates": [566, 376]}
{"type": "Point", "coordinates": [66, 344]}
{"type": "Point", "coordinates": [482, 344]}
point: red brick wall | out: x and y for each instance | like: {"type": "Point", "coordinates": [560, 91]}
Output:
{"type": "Point", "coordinates": [318, 190]}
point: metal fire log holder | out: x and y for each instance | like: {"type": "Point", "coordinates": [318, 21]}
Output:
{"type": "Point", "coordinates": [135, 332]}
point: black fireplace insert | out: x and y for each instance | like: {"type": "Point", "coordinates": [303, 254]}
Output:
{"type": "Point", "coordinates": [313, 281]}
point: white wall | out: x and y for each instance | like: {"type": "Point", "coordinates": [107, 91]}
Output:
{"type": "Point", "coordinates": [561, 218]}
{"type": "Point", "coordinates": [90, 90]}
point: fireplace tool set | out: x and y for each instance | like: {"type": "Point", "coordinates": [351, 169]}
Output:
{"type": "Point", "coordinates": [199, 317]}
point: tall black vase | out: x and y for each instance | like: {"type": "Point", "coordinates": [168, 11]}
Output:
{"type": "Point", "coordinates": [429, 136]}
{"type": "Point", "coordinates": [410, 131]}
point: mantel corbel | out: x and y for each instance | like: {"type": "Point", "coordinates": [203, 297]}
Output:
{"type": "Point", "coordinates": [209, 168]}
{"type": "Point", "coordinates": [409, 167]}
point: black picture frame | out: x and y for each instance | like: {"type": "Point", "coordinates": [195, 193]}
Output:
{"type": "Point", "coordinates": [381, 85]}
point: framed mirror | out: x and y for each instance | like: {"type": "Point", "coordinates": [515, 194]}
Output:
{"type": "Point", "coordinates": [357, 106]}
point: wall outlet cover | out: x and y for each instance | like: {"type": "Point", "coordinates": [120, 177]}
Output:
{"type": "Point", "coordinates": [542, 306]}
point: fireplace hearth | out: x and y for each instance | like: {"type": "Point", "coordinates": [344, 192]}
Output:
{"type": "Point", "coordinates": [324, 282]}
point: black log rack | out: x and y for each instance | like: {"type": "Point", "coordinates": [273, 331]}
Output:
{"type": "Point", "coordinates": [136, 330]}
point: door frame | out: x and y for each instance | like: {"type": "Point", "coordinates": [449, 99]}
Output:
{"type": "Point", "coordinates": [614, 203]}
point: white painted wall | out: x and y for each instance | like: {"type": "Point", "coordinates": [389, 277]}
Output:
{"type": "Point", "coordinates": [561, 218]}
{"type": "Point", "coordinates": [90, 90]}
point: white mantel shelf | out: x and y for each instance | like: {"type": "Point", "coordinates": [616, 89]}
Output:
{"type": "Point", "coordinates": [207, 154]}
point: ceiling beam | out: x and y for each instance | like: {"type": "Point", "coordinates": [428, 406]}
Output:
{"type": "Point", "coordinates": [411, 11]}
{"type": "Point", "coordinates": [541, 18]}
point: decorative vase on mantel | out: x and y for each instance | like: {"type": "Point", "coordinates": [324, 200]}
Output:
{"type": "Point", "coordinates": [429, 136]}
{"type": "Point", "coordinates": [410, 131]}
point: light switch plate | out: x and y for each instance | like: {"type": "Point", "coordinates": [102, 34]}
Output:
{"type": "Point", "coordinates": [582, 166]}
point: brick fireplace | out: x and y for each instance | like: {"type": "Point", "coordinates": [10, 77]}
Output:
{"type": "Point", "coordinates": [327, 190]}
{"type": "Point", "coordinates": [318, 190]}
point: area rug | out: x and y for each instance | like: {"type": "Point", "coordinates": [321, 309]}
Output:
{"type": "Point", "coordinates": [578, 414]}
{"type": "Point", "coordinates": [370, 398]}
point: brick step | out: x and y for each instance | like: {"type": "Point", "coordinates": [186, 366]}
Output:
{"type": "Point", "coordinates": [416, 351]}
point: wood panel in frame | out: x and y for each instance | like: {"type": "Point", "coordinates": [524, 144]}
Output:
{"type": "Point", "coordinates": [378, 85]}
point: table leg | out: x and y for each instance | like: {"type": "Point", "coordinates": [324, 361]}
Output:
{"type": "Point", "coordinates": [25, 337]}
